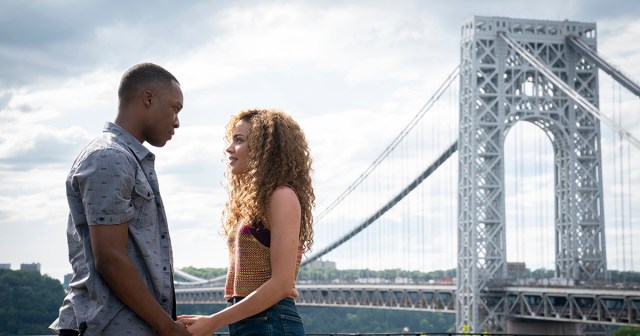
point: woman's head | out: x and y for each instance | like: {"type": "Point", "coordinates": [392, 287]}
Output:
{"type": "Point", "coordinates": [267, 149]}
{"type": "Point", "coordinates": [238, 148]}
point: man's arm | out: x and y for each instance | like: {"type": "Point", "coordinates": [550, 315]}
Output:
{"type": "Point", "coordinates": [109, 247]}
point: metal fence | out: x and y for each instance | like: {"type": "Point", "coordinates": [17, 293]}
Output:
{"type": "Point", "coordinates": [411, 334]}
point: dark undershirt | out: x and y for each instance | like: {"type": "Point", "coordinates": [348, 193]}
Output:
{"type": "Point", "coordinates": [261, 233]}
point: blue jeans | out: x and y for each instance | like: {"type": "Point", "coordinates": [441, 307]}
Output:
{"type": "Point", "coordinates": [280, 319]}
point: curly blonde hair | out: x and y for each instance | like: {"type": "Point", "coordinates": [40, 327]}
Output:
{"type": "Point", "coordinates": [278, 156]}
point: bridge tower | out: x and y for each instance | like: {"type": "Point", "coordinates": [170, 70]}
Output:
{"type": "Point", "coordinates": [500, 86]}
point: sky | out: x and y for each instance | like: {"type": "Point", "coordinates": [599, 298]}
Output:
{"type": "Point", "coordinates": [352, 73]}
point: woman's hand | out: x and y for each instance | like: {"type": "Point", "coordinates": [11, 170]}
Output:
{"type": "Point", "coordinates": [198, 325]}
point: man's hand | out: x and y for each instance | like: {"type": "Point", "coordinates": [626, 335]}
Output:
{"type": "Point", "coordinates": [198, 325]}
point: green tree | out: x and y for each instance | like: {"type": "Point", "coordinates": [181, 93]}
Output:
{"type": "Point", "coordinates": [205, 273]}
{"type": "Point", "coordinates": [29, 302]}
{"type": "Point", "coordinates": [627, 331]}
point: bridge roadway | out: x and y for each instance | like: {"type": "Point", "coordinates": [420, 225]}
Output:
{"type": "Point", "coordinates": [619, 307]}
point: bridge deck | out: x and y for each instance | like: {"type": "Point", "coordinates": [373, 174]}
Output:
{"type": "Point", "coordinates": [570, 304]}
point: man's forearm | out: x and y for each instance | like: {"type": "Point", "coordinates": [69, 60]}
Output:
{"type": "Point", "coordinates": [125, 282]}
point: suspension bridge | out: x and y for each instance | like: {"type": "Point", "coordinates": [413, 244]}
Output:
{"type": "Point", "coordinates": [519, 158]}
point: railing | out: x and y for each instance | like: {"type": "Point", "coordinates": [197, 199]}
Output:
{"type": "Point", "coordinates": [608, 306]}
{"type": "Point", "coordinates": [424, 333]}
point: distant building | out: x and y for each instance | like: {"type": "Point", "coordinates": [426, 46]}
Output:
{"type": "Point", "coordinates": [30, 267]}
{"type": "Point", "coordinates": [5, 266]}
{"type": "Point", "coordinates": [517, 268]}
{"type": "Point", "coordinates": [67, 280]}
{"type": "Point", "coordinates": [322, 264]}
{"type": "Point", "coordinates": [445, 280]}
{"type": "Point", "coordinates": [372, 281]}
{"type": "Point", "coordinates": [403, 280]}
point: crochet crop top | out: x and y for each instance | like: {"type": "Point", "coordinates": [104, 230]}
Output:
{"type": "Point", "coordinates": [249, 259]}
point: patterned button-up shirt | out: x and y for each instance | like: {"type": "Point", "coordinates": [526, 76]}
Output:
{"type": "Point", "coordinates": [113, 181]}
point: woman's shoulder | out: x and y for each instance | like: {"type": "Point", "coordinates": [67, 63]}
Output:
{"type": "Point", "coordinates": [284, 207]}
{"type": "Point", "coordinates": [284, 197]}
{"type": "Point", "coordinates": [284, 193]}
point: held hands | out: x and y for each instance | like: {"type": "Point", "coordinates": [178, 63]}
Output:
{"type": "Point", "coordinates": [175, 329]}
{"type": "Point", "coordinates": [198, 325]}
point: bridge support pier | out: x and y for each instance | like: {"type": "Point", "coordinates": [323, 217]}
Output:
{"type": "Point", "coordinates": [506, 69]}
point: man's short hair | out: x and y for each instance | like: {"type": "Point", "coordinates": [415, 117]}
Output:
{"type": "Point", "coordinates": [140, 75]}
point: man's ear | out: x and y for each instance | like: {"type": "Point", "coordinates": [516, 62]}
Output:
{"type": "Point", "coordinates": [147, 97]}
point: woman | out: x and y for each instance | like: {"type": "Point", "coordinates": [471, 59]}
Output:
{"type": "Point", "coordinates": [268, 224]}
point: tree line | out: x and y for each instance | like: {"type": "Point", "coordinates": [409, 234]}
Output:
{"type": "Point", "coordinates": [329, 274]}
{"type": "Point", "coordinates": [29, 302]}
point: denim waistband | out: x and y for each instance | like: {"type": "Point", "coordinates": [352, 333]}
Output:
{"type": "Point", "coordinates": [289, 302]}
{"type": "Point", "coordinates": [235, 299]}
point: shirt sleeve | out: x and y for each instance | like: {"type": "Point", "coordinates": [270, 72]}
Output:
{"type": "Point", "coordinates": [105, 180]}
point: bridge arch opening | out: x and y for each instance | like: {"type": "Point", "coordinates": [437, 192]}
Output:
{"type": "Point", "coordinates": [529, 199]}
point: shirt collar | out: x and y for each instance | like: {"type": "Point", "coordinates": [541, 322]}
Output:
{"type": "Point", "coordinates": [126, 138]}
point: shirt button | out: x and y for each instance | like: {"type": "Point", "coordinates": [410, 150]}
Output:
{"type": "Point", "coordinates": [162, 236]}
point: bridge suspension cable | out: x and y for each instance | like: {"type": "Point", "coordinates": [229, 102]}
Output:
{"type": "Point", "coordinates": [622, 212]}
{"type": "Point", "coordinates": [592, 55]}
{"type": "Point", "coordinates": [576, 97]}
{"type": "Point", "coordinates": [452, 76]}
{"type": "Point", "coordinates": [437, 163]}
{"type": "Point", "coordinates": [193, 280]}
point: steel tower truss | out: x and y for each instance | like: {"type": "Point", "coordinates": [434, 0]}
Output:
{"type": "Point", "coordinates": [500, 86]}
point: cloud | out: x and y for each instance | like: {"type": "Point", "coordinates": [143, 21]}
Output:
{"type": "Point", "coordinates": [41, 146]}
{"type": "Point", "coordinates": [5, 97]}
{"type": "Point", "coordinates": [58, 39]}
{"type": "Point", "coordinates": [352, 75]}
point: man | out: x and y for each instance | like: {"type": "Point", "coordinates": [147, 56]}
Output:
{"type": "Point", "coordinates": [117, 233]}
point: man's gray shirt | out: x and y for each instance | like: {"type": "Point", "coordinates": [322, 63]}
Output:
{"type": "Point", "coordinates": [113, 181]}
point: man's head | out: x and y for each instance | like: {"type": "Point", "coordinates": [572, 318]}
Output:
{"type": "Point", "coordinates": [149, 101]}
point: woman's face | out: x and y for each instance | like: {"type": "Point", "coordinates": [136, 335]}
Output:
{"type": "Point", "coordinates": [239, 148]}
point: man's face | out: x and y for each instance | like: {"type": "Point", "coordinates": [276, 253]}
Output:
{"type": "Point", "coordinates": [168, 103]}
